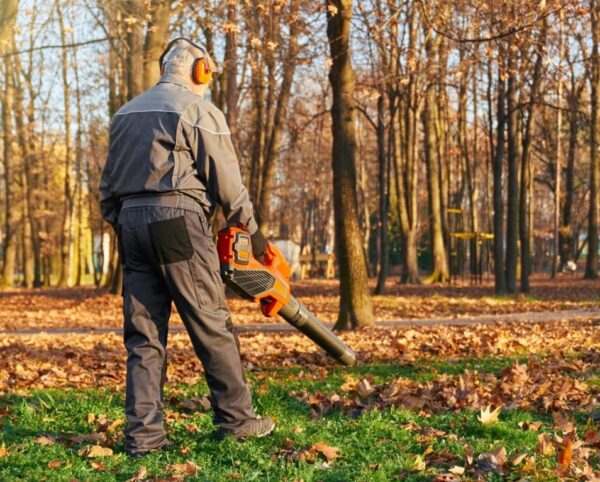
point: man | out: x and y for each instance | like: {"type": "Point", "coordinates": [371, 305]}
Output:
{"type": "Point", "coordinates": [170, 161]}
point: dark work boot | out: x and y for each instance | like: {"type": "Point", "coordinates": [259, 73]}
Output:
{"type": "Point", "coordinates": [142, 453]}
{"type": "Point", "coordinates": [258, 427]}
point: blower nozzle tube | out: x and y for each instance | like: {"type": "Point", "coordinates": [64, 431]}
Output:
{"type": "Point", "coordinates": [297, 315]}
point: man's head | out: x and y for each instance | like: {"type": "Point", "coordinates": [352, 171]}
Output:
{"type": "Point", "coordinates": [187, 60]}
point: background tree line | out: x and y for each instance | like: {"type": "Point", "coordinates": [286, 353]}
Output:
{"type": "Point", "coordinates": [425, 137]}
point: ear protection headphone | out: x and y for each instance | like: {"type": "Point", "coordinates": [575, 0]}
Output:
{"type": "Point", "coordinates": [201, 72]}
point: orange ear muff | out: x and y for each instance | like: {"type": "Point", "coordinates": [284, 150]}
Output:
{"type": "Point", "coordinates": [201, 71]}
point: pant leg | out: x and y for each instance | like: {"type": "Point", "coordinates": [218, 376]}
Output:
{"type": "Point", "coordinates": [146, 310]}
{"type": "Point", "coordinates": [188, 258]}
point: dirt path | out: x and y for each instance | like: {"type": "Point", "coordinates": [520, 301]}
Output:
{"type": "Point", "coordinates": [533, 317]}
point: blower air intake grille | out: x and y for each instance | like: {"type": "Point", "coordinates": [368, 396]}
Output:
{"type": "Point", "coordinates": [253, 282]}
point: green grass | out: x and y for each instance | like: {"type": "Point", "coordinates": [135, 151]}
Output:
{"type": "Point", "coordinates": [375, 446]}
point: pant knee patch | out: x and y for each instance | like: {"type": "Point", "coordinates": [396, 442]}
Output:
{"type": "Point", "coordinates": [170, 240]}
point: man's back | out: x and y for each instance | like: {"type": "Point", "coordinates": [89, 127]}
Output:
{"type": "Point", "coordinates": [152, 136]}
{"type": "Point", "coordinates": [170, 140]}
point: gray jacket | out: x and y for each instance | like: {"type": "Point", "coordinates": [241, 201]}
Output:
{"type": "Point", "coordinates": [170, 140]}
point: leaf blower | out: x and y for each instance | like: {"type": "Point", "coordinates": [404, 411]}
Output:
{"type": "Point", "coordinates": [268, 284]}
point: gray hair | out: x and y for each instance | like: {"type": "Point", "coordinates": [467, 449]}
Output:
{"type": "Point", "coordinates": [180, 58]}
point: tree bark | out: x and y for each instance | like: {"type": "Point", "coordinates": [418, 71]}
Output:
{"type": "Point", "coordinates": [65, 237]}
{"type": "Point", "coordinates": [355, 303]}
{"type": "Point", "coordinates": [557, 186]}
{"type": "Point", "coordinates": [135, 51]}
{"type": "Point", "coordinates": [156, 39]}
{"type": "Point", "coordinates": [439, 272]}
{"type": "Point", "coordinates": [8, 15]}
{"type": "Point", "coordinates": [276, 130]}
{"type": "Point", "coordinates": [512, 218]}
{"type": "Point", "coordinates": [383, 164]}
{"type": "Point", "coordinates": [497, 167]}
{"type": "Point", "coordinates": [567, 239]}
{"type": "Point", "coordinates": [524, 198]}
{"type": "Point", "coordinates": [9, 248]}
{"type": "Point", "coordinates": [591, 267]}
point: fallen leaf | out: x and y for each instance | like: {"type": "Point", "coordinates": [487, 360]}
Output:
{"type": "Point", "coordinates": [445, 478]}
{"type": "Point", "coordinates": [419, 464]}
{"type": "Point", "coordinates": [566, 454]}
{"type": "Point", "coordinates": [330, 453]}
{"type": "Point", "coordinates": [364, 388]}
{"type": "Point", "coordinates": [488, 415]}
{"type": "Point", "coordinates": [544, 445]}
{"type": "Point", "coordinates": [93, 451]}
{"type": "Point", "coordinates": [490, 462]}
{"type": "Point", "coordinates": [114, 425]}
{"type": "Point", "coordinates": [563, 422]}
{"type": "Point", "coordinates": [468, 454]}
{"type": "Point", "coordinates": [140, 476]}
{"type": "Point", "coordinates": [457, 470]}
{"type": "Point", "coordinates": [188, 468]}
{"type": "Point", "coordinates": [591, 437]}
{"type": "Point", "coordinates": [533, 426]}
{"type": "Point", "coordinates": [529, 464]}
{"type": "Point", "coordinates": [44, 440]}
{"type": "Point", "coordinates": [54, 464]}
{"type": "Point", "coordinates": [3, 451]}
{"type": "Point", "coordinates": [518, 458]}
{"type": "Point", "coordinates": [97, 465]}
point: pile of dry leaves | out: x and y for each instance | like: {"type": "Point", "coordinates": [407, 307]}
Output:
{"type": "Point", "coordinates": [90, 308]}
{"type": "Point", "coordinates": [82, 360]}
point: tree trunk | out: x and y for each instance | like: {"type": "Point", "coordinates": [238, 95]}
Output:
{"type": "Point", "coordinates": [10, 229]}
{"type": "Point", "coordinates": [28, 188]}
{"type": "Point", "coordinates": [470, 168]}
{"type": "Point", "coordinates": [512, 218]}
{"type": "Point", "coordinates": [439, 270]}
{"type": "Point", "coordinates": [567, 239]}
{"type": "Point", "coordinates": [557, 187]}
{"type": "Point", "coordinates": [383, 160]}
{"type": "Point", "coordinates": [156, 40]}
{"type": "Point", "coordinates": [497, 165]}
{"type": "Point", "coordinates": [591, 267]}
{"type": "Point", "coordinates": [276, 130]}
{"type": "Point", "coordinates": [230, 69]}
{"type": "Point", "coordinates": [8, 15]}
{"type": "Point", "coordinates": [135, 50]}
{"type": "Point", "coordinates": [79, 257]}
{"type": "Point", "coordinates": [355, 303]}
{"type": "Point", "coordinates": [526, 180]}
{"type": "Point", "coordinates": [404, 145]}
{"type": "Point", "coordinates": [65, 237]}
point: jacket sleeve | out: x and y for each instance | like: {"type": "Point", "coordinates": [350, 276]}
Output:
{"type": "Point", "coordinates": [109, 203]}
{"type": "Point", "coordinates": [219, 169]}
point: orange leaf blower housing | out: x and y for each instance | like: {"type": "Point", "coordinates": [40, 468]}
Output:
{"type": "Point", "coordinates": [268, 284]}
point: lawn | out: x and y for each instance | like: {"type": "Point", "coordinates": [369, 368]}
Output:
{"type": "Point", "coordinates": [500, 401]}
{"type": "Point", "coordinates": [333, 424]}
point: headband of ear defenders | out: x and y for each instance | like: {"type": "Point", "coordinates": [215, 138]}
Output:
{"type": "Point", "coordinates": [178, 39]}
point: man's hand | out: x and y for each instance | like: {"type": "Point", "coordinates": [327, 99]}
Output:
{"type": "Point", "coordinates": [259, 246]}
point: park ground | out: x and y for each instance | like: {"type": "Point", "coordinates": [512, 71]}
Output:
{"type": "Point", "coordinates": [501, 401]}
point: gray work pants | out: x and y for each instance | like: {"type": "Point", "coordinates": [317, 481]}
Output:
{"type": "Point", "coordinates": [168, 255]}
